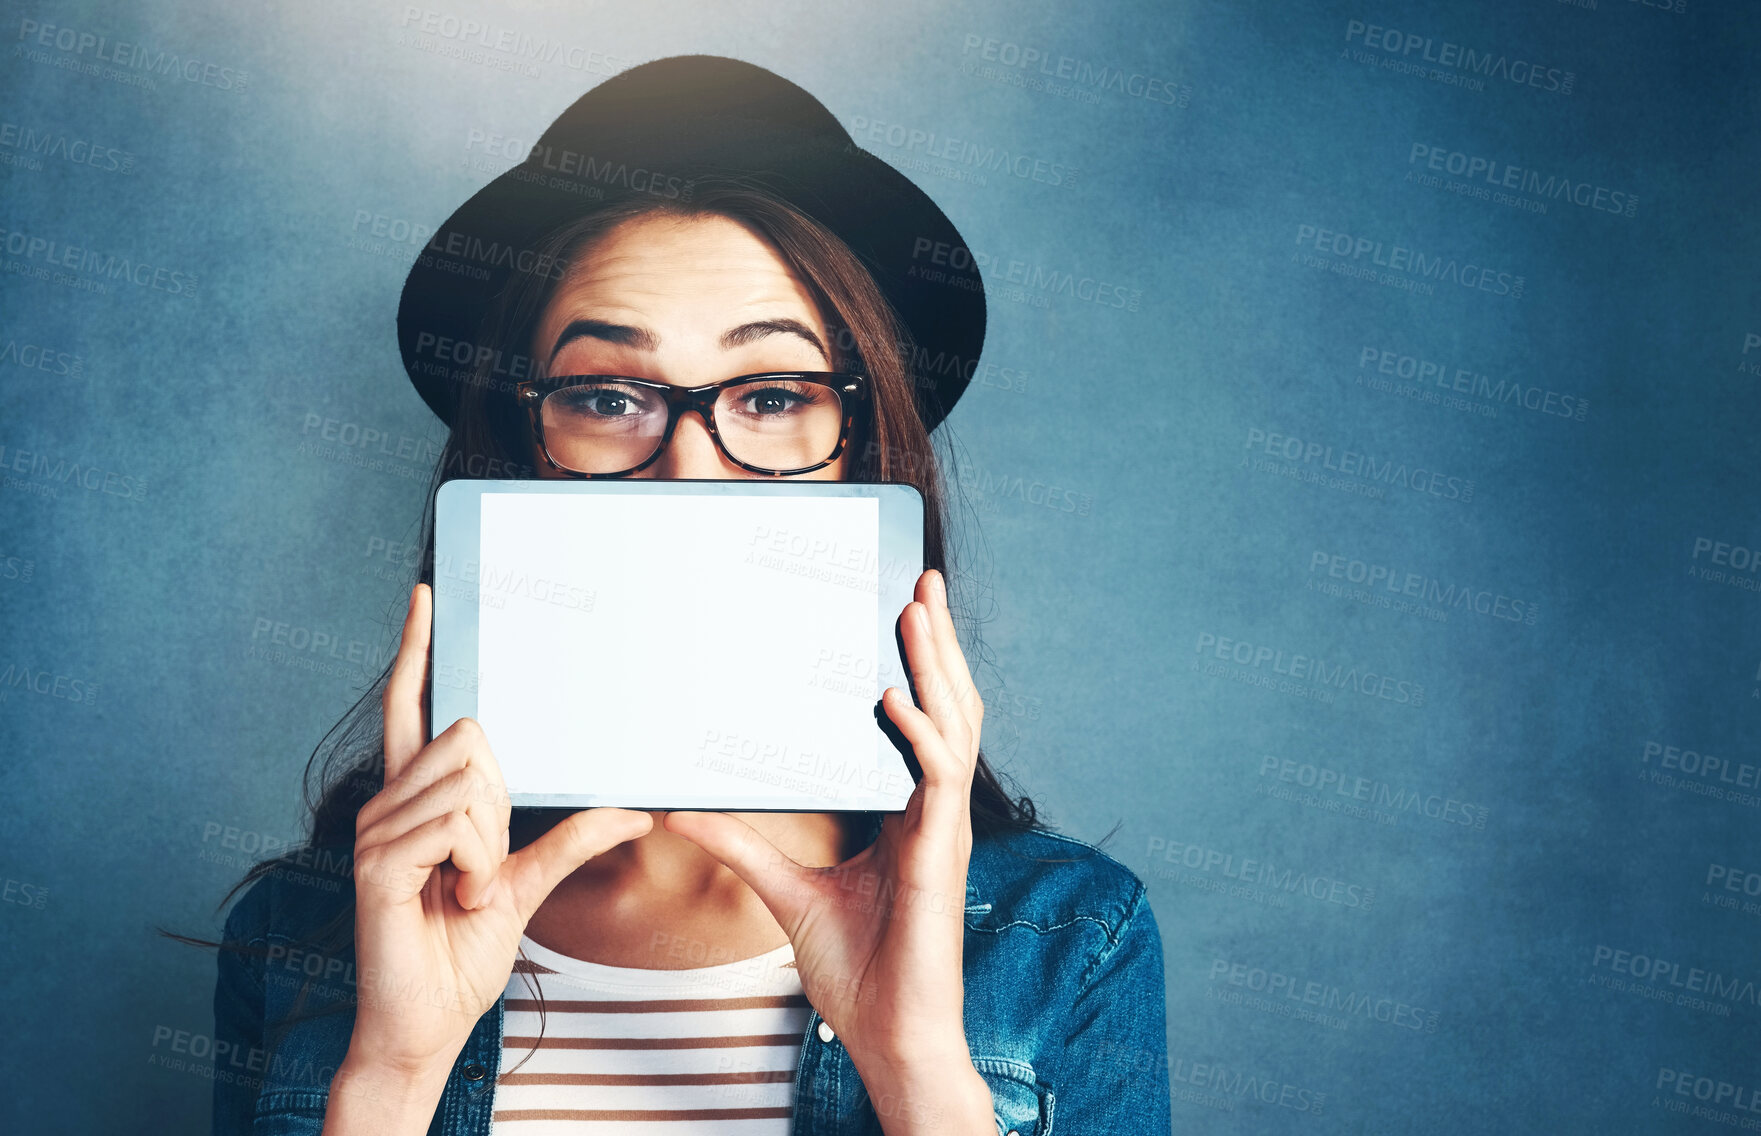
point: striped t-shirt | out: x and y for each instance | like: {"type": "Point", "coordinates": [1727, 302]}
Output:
{"type": "Point", "coordinates": [637, 1052]}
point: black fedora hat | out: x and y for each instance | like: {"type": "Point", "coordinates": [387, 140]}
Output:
{"type": "Point", "coordinates": [654, 130]}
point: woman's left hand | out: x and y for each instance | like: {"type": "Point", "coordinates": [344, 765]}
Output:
{"type": "Point", "coordinates": [879, 939]}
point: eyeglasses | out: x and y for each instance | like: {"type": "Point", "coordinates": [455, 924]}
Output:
{"type": "Point", "coordinates": [774, 422]}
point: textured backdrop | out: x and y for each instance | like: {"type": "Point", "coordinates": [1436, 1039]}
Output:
{"type": "Point", "coordinates": [1359, 500]}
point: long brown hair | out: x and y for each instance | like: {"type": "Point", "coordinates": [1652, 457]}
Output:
{"type": "Point", "coordinates": [490, 438]}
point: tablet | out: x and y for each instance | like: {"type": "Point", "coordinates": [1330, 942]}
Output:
{"type": "Point", "coordinates": [690, 644]}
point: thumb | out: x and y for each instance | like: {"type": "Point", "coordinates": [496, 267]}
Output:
{"type": "Point", "coordinates": [783, 884]}
{"type": "Point", "coordinates": [534, 871]}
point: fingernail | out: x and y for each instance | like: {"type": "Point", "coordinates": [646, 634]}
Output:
{"type": "Point", "coordinates": [941, 588]}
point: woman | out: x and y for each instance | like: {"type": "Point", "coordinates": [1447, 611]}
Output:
{"type": "Point", "coordinates": [956, 968]}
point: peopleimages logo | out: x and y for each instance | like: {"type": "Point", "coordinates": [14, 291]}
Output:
{"type": "Point", "coordinates": [454, 251]}
{"type": "Point", "coordinates": [574, 166]}
{"type": "Point", "coordinates": [1309, 668]}
{"type": "Point", "coordinates": [928, 255]}
{"type": "Point", "coordinates": [45, 681]}
{"type": "Point", "coordinates": [1446, 376]}
{"type": "Point", "coordinates": [37, 357]}
{"type": "Point", "coordinates": [1409, 261]}
{"type": "Point", "coordinates": [1356, 463]}
{"type": "Point", "coordinates": [87, 476]}
{"type": "Point", "coordinates": [75, 43]}
{"type": "Point", "coordinates": [1503, 175]}
{"type": "Point", "coordinates": [1411, 47]}
{"type": "Point", "coordinates": [1380, 795]}
{"type": "Point", "coordinates": [1668, 975]}
{"type": "Point", "coordinates": [47, 253]}
{"type": "Point", "coordinates": [1330, 997]}
{"type": "Point", "coordinates": [79, 151]}
{"type": "Point", "coordinates": [961, 151]}
{"type": "Point", "coordinates": [1081, 72]}
{"type": "Point", "coordinates": [1719, 1093]}
{"type": "Point", "coordinates": [1692, 763]}
{"type": "Point", "coordinates": [1260, 872]}
{"type": "Point", "coordinates": [1446, 594]}
{"type": "Point", "coordinates": [509, 42]}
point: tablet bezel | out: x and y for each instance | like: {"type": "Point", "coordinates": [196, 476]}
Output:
{"type": "Point", "coordinates": [453, 664]}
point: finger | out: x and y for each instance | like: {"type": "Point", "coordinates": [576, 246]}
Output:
{"type": "Point", "coordinates": [941, 620]}
{"type": "Point", "coordinates": [466, 736]}
{"type": "Point", "coordinates": [404, 732]}
{"type": "Point", "coordinates": [447, 799]}
{"type": "Point", "coordinates": [534, 871]}
{"type": "Point", "coordinates": [783, 884]}
{"type": "Point", "coordinates": [947, 779]}
{"type": "Point", "coordinates": [936, 694]}
{"type": "Point", "coordinates": [464, 791]}
{"type": "Point", "coordinates": [459, 746]}
{"type": "Point", "coordinates": [491, 808]}
{"type": "Point", "coordinates": [399, 869]}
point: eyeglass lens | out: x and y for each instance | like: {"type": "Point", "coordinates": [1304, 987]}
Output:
{"type": "Point", "coordinates": [609, 426]}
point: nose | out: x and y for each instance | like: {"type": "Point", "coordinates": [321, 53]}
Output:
{"type": "Point", "coordinates": [692, 454]}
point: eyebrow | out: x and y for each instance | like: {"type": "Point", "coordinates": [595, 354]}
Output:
{"type": "Point", "coordinates": [644, 340]}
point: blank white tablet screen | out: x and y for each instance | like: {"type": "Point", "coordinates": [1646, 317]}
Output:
{"type": "Point", "coordinates": [693, 645]}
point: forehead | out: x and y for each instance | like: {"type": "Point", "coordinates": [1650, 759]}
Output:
{"type": "Point", "coordinates": [658, 267]}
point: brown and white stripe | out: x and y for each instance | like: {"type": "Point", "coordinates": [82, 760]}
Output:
{"type": "Point", "coordinates": [633, 1051]}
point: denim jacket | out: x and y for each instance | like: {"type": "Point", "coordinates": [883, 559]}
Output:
{"type": "Point", "coordinates": [1064, 1007]}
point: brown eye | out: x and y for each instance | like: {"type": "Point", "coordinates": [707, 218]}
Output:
{"type": "Point", "coordinates": [601, 400]}
{"type": "Point", "coordinates": [773, 399]}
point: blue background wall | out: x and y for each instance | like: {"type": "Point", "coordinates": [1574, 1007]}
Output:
{"type": "Point", "coordinates": [1341, 360]}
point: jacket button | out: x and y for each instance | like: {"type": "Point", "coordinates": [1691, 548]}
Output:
{"type": "Point", "coordinates": [825, 1032]}
{"type": "Point", "coordinates": [474, 1072]}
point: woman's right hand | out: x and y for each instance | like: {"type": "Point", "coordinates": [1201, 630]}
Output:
{"type": "Point", "coordinates": [440, 905]}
